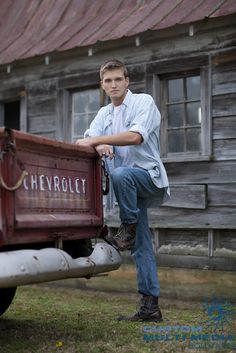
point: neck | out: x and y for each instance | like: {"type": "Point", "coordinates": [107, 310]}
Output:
{"type": "Point", "coordinates": [118, 101]}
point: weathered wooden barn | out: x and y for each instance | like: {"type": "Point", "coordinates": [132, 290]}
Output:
{"type": "Point", "coordinates": [182, 52]}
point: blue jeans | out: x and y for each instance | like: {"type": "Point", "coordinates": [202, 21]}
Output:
{"type": "Point", "coordinates": [133, 187]}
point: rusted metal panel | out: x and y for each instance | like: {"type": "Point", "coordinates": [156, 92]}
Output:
{"type": "Point", "coordinates": [118, 18]}
{"type": "Point", "coordinates": [227, 8]}
{"type": "Point", "coordinates": [14, 23]}
{"type": "Point", "coordinates": [69, 25]}
{"type": "Point", "coordinates": [175, 13]}
{"type": "Point", "coordinates": [133, 21]}
{"type": "Point", "coordinates": [46, 19]}
{"type": "Point", "coordinates": [59, 191]}
{"type": "Point", "coordinates": [34, 27]}
{"type": "Point", "coordinates": [38, 27]}
{"type": "Point", "coordinates": [88, 26]}
{"type": "Point", "coordinates": [155, 16]}
{"type": "Point", "coordinates": [200, 11]}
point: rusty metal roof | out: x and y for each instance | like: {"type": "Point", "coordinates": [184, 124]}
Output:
{"type": "Point", "coordinates": [36, 27]}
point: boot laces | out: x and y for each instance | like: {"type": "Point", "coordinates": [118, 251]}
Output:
{"type": "Point", "coordinates": [123, 233]}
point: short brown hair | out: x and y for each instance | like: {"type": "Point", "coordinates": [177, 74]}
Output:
{"type": "Point", "coordinates": [112, 65]}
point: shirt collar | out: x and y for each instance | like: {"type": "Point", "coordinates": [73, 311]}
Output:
{"type": "Point", "coordinates": [125, 102]}
{"type": "Point", "coordinates": [127, 98]}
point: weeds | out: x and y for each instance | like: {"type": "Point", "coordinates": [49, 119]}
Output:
{"type": "Point", "coordinates": [48, 320]}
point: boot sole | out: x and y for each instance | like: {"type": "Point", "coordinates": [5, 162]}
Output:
{"type": "Point", "coordinates": [110, 243]}
{"type": "Point", "coordinates": [130, 247]}
{"type": "Point", "coordinates": [139, 320]}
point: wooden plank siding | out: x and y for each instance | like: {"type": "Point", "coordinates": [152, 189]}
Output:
{"type": "Point", "coordinates": [222, 195]}
{"type": "Point", "coordinates": [224, 128]}
{"type": "Point", "coordinates": [188, 196]}
{"type": "Point", "coordinates": [42, 104]}
{"type": "Point", "coordinates": [182, 218]}
{"type": "Point", "coordinates": [224, 149]}
{"type": "Point", "coordinates": [199, 221]}
{"type": "Point", "coordinates": [224, 110]}
{"type": "Point", "coordinates": [202, 172]}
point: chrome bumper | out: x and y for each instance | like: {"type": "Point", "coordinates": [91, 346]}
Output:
{"type": "Point", "coordinates": [22, 267]}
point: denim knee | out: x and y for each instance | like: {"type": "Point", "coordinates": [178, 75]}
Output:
{"type": "Point", "coordinates": [119, 174]}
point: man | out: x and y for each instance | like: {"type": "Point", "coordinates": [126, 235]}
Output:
{"type": "Point", "coordinates": [127, 132]}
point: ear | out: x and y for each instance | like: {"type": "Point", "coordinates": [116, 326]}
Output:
{"type": "Point", "coordinates": [127, 81]}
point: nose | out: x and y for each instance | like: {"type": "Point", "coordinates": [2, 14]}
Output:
{"type": "Point", "coordinates": [113, 83]}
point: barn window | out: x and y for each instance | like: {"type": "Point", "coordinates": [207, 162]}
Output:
{"type": "Point", "coordinates": [183, 114]}
{"type": "Point", "coordinates": [184, 101]}
{"type": "Point", "coordinates": [85, 105]}
{"type": "Point", "coordinates": [10, 114]}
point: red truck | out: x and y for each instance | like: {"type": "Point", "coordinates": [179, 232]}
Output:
{"type": "Point", "coordinates": [50, 208]}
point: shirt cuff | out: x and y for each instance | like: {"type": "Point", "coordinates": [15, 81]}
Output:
{"type": "Point", "coordinates": [141, 130]}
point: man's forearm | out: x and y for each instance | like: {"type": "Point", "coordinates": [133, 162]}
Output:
{"type": "Point", "coordinates": [123, 139]}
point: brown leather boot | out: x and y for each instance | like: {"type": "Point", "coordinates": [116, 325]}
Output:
{"type": "Point", "coordinates": [148, 311]}
{"type": "Point", "coordinates": [124, 239]}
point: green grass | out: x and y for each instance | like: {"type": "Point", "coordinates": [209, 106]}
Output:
{"type": "Point", "coordinates": [48, 319]}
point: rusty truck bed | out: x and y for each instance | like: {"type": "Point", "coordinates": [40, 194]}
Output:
{"type": "Point", "coordinates": [49, 190]}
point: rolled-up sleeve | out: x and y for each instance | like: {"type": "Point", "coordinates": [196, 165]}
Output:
{"type": "Point", "coordinates": [147, 117]}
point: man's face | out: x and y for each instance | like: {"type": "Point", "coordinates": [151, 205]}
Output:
{"type": "Point", "coordinates": [115, 85]}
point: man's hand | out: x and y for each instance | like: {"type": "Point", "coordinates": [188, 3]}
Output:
{"type": "Point", "coordinates": [105, 151]}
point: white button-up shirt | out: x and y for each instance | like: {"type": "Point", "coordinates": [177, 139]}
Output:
{"type": "Point", "coordinates": [142, 116]}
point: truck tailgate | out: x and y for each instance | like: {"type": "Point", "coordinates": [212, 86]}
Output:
{"type": "Point", "coordinates": [49, 189]}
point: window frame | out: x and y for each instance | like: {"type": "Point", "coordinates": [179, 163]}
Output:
{"type": "Point", "coordinates": [177, 68]}
{"type": "Point", "coordinates": [74, 91]}
{"type": "Point", "coordinates": [67, 86]}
